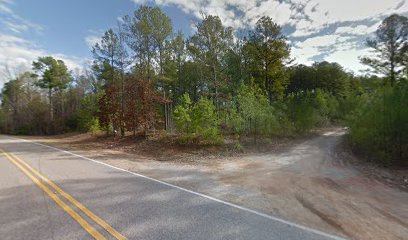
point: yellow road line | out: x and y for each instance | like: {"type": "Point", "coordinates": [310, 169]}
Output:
{"type": "Point", "coordinates": [79, 205]}
{"type": "Point", "coordinates": [61, 203]}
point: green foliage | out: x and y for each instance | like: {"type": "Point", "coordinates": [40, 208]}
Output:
{"type": "Point", "coordinates": [182, 114]}
{"type": "Point", "coordinates": [24, 130]}
{"type": "Point", "coordinates": [108, 50]}
{"type": "Point", "coordinates": [345, 107]}
{"type": "Point", "coordinates": [197, 121]}
{"type": "Point", "coordinates": [94, 126]}
{"type": "Point", "coordinates": [310, 109]}
{"type": "Point", "coordinates": [23, 110]}
{"type": "Point", "coordinates": [252, 113]}
{"type": "Point", "coordinates": [53, 73]}
{"type": "Point", "coordinates": [215, 82]}
{"type": "Point", "coordinates": [267, 50]}
{"type": "Point", "coordinates": [205, 123]}
{"type": "Point", "coordinates": [208, 47]}
{"type": "Point", "coordinates": [330, 77]}
{"type": "Point", "coordinates": [86, 115]}
{"type": "Point", "coordinates": [389, 55]}
{"type": "Point", "coordinates": [326, 105]}
{"type": "Point", "coordinates": [302, 113]}
{"type": "Point", "coordinates": [380, 124]}
{"type": "Point", "coordinates": [54, 77]}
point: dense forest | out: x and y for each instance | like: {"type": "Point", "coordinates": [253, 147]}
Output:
{"type": "Point", "coordinates": [147, 79]}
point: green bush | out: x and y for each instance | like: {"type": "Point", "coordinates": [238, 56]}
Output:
{"type": "Point", "coordinates": [86, 115]}
{"type": "Point", "coordinates": [182, 114]}
{"type": "Point", "coordinates": [197, 121]}
{"type": "Point", "coordinates": [251, 113]}
{"type": "Point", "coordinates": [379, 125]}
{"type": "Point", "coordinates": [302, 112]}
{"type": "Point", "coordinates": [347, 105]}
{"type": "Point", "coordinates": [94, 126]}
{"type": "Point", "coordinates": [24, 130]}
{"type": "Point", "coordinates": [326, 106]}
{"type": "Point", "coordinates": [310, 109]}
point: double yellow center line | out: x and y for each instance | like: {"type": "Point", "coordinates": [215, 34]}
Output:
{"type": "Point", "coordinates": [36, 177]}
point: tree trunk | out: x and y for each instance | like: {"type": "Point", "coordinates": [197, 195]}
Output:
{"type": "Point", "coordinates": [122, 117]}
{"type": "Point", "coordinates": [50, 105]}
{"type": "Point", "coordinates": [268, 83]}
{"type": "Point", "coordinates": [216, 91]}
{"type": "Point", "coordinates": [148, 60]}
{"type": "Point", "coordinates": [255, 123]}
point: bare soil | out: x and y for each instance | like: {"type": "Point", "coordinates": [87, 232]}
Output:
{"type": "Point", "coordinates": [315, 181]}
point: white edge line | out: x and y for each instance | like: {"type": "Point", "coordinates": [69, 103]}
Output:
{"type": "Point", "coordinates": [192, 192]}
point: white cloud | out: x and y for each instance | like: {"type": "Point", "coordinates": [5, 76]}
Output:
{"type": "Point", "coordinates": [349, 58]}
{"type": "Point", "coordinates": [319, 41]}
{"type": "Point", "coordinates": [305, 51]}
{"type": "Point", "coordinates": [17, 55]}
{"type": "Point", "coordinates": [347, 22]}
{"type": "Point", "coordinates": [91, 40]}
{"type": "Point", "coordinates": [307, 16]}
{"type": "Point", "coordinates": [230, 12]}
{"type": "Point", "coordinates": [4, 6]}
{"type": "Point", "coordinates": [358, 30]}
{"type": "Point", "coordinates": [13, 22]}
{"type": "Point", "coordinates": [303, 55]}
{"type": "Point", "coordinates": [15, 27]}
{"type": "Point", "coordinates": [333, 11]}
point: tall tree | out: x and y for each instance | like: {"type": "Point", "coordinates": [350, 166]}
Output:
{"type": "Point", "coordinates": [11, 95]}
{"type": "Point", "coordinates": [235, 66]}
{"type": "Point", "coordinates": [139, 37]}
{"type": "Point", "coordinates": [175, 61]}
{"type": "Point", "coordinates": [53, 75]}
{"type": "Point", "coordinates": [179, 52]}
{"type": "Point", "coordinates": [22, 107]}
{"type": "Point", "coordinates": [148, 34]}
{"type": "Point", "coordinates": [209, 45]}
{"type": "Point", "coordinates": [270, 50]}
{"type": "Point", "coordinates": [302, 78]}
{"type": "Point", "coordinates": [111, 51]}
{"type": "Point", "coordinates": [161, 30]}
{"type": "Point", "coordinates": [389, 47]}
{"type": "Point", "coordinates": [122, 62]}
{"type": "Point", "coordinates": [108, 51]}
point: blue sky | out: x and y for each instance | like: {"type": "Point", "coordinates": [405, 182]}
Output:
{"type": "Point", "coordinates": [65, 24]}
{"type": "Point", "coordinates": [318, 30]}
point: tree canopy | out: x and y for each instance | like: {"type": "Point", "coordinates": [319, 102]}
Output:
{"type": "Point", "coordinates": [147, 78]}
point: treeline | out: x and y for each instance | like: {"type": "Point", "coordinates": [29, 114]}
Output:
{"type": "Point", "coordinates": [379, 124]}
{"type": "Point", "coordinates": [146, 77]}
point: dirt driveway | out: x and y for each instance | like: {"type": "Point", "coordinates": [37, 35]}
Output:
{"type": "Point", "coordinates": [310, 184]}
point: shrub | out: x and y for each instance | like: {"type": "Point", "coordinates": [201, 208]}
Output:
{"type": "Point", "coordinates": [205, 123]}
{"type": "Point", "coordinates": [94, 126]}
{"type": "Point", "coordinates": [182, 114]}
{"type": "Point", "coordinates": [197, 121]}
{"type": "Point", "coordinates": [379, 125]}
{"type": "Point", "coordinates": [251, 113]}
{"type": "Point", "coordinates": [302, 111]}
{"type": "Point", "coordinates": [310, 109]}
{"type": "Point", "coordinates": [86, 115]}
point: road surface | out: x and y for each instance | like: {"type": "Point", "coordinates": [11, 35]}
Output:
{"type": "Point", "coordinates": [48, 193]}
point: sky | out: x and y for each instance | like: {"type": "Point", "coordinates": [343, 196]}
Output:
{"type": "Point", "coordinates": [317, 30]}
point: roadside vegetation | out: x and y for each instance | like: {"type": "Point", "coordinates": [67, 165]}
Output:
{"type": "Point", "coordinates": [379, 123]}
{"type": "Point", "coordinates": [147, 78]}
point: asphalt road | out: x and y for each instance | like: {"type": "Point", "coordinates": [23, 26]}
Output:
{"type": "Point", "coordinates": [83, 192]}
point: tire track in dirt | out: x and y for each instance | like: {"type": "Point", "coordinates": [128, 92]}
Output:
{"type": "Point", "coordinates": [389, 216]}
{"type": "Point", "coordinates": [326, 218]}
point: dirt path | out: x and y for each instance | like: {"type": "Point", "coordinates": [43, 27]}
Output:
{"type": "Point", "coordinates": [308, 184]}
